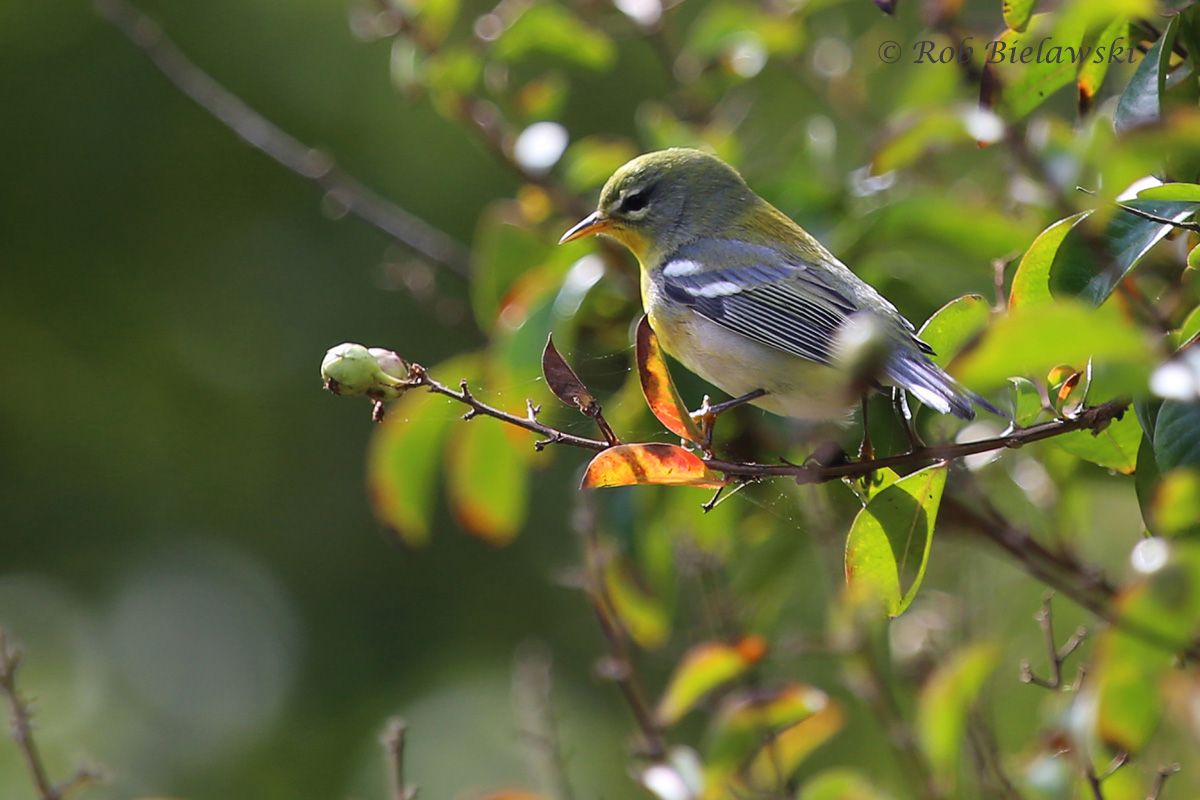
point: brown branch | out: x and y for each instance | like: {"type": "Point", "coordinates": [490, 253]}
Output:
{"type": "Point", "coordinates": [22, 731]}
{"type": "Point", "coordinates": [286, 150]}
{"type": "Point", "coordinates": [1094, 418]}
{"type": "Point", "coordinates": [392, 740]}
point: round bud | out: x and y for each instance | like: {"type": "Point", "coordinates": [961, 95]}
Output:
{"type": "Point", "coordinates": [351, 369]}
{"type": "Point", "coordinates": [390, 363]}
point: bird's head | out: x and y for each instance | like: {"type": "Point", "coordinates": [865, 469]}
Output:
{"type": "Point", "coordinates": [662, 200]}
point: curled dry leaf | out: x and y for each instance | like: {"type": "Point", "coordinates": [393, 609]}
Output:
{"type": "Point", "coordinates": [563, 381]}
{"type": "Point", "coordinates": [661, 394]}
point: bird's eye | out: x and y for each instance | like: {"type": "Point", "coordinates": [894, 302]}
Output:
{"type": "Point", "coordinates": [635, 201]}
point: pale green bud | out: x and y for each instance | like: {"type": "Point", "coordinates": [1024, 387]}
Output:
{"type": "Point", "coordinates": [351, 369]}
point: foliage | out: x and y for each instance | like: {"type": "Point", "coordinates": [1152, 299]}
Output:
{"type": "Point", "coordinates": [781, 629]}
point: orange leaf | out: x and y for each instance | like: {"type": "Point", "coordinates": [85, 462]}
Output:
{"type": "Point", "coordinates": [702, 669]}
{"type": "Point", "coordinates": [661, 394]}
{"type": "Point", "coordinates": [632, 464]}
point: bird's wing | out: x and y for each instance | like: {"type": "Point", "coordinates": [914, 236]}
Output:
{"type": "Point", "coordinates": [759, 293]}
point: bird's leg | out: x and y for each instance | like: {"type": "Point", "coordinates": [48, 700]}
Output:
{"type": "Point", "coordinates": [707, 414]}
{"type": "Point", "coordinates": [866, 450]}
{"type": "Point", "coordinates": [900, 403]}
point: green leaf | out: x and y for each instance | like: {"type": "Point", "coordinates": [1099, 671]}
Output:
{"type": "Point", "coordinates": [1115, 447]}
{"type": "Point", "coordinates": [1141, 102]}
{"type": "Point", "coordinates": [1093, 70]}
{"type": "Point", "coordinates": [503, 250]}
{"type": "Point", "coordinates": [487, 479]}
{"type": "Point", "coordinates": [1026, 401]}
{"type": "Point", "coordinates": [1030, 341]}
{"type": "Point", "coordinates": [554, 31]}
{"type": "Point", "coordinates": [403, 459]}
{"type": "Point", "coordinates": [1193, 259]}
{"type": "Point", "coordinates": [888, 548]}
{"type": "Point", "coordinates": [1177, 435]}
{"type": "Point", "coordinates": [1090, 266]}
{"type": "Point", "coordinates": [954, 326]}
{"type": "Point", "coordinates": [946, 699]}
{"type": "Point", "coordinates": [702, 669]}
{"type": "Point", "coordinates": [1017, 13]}
{"type": "Point", "coordinates": [839, 784]}
{"type": "Point", "coordinates": [1173, 192]}
{"type": "Point", "coordinates": [1031, 282]}
{"type": "Point", "coordinates": [1015, 89]}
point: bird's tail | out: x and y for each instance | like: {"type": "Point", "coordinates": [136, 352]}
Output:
{"type": "Point", "coordinates": [930, 384]}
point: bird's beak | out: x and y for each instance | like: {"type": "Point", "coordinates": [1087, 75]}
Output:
{"type": "Point", "coordinates": [592, 223]}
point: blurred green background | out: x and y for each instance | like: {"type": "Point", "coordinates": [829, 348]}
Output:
{"type": "Point", "coordinates": [187, 551]}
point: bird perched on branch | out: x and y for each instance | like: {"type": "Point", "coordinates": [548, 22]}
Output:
{"type": "Point", "coordinates": [748, 300]}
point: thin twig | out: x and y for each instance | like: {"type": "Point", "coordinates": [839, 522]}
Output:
{"type": "Point", "coordinates": [1194, 227]}
{"type": "Point", "coordinates": [392, 740]}
{"type": "Point", "coordinates": [1096, 780]}
{"type": "Point", "coordinates": [285, 149]}
{"type": "Point", "coordinates": [1160, 780]}
{"type": "Point", "coordinates": [532, 686]}
{"type": "Point", "coordinates": [22, 731]}
{"type": "Point", "coordinates": [618, 665]}
{"type": "Point", "coordinates": [1057, 655]}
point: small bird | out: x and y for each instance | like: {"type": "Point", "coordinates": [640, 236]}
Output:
{"type": "Point", "coordinates": [748, 300]}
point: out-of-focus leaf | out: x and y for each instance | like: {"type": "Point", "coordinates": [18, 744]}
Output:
{"type": "Point", "coordinates": [1172, 192]}
{"type": "Point", "coordinates": [662, 128]}
{"type": "Point", "coordinates": [402, 464]}
{"type": "Point", "coordinates": [639, 612]}
{"type": "Point", "coordinates": [407, 66]}
{"type": "Point", "coordinates": [1177, 435]}
{"type": "Point", "coordinates": [1190, 327]}
{"type": "Point", "coordinates": [703, 668]}
{"type": "Point", "coordinates": [746, 717]}
{"type": "Point", "coordinates": [590, 161]}
{"type": "Point", "coordinates": [1175, 504]}
{"type": "Point", "coordinates": [451, 73]}
{"type": "Point", "coordinates": [1017, 13]}
{"type": "Point", "coordinates": [542, 98]}
{"type": "Point", "coordinates": [1094, 69]}
{"type": "Point", "coordinates": [487, 479]}
{"type": "Point", "coordinates": [974, 229]}
{"type": "Point", "coordinates": [931, 131]}
{"type": "Point", "coordinates": [562, 380]}
{"type": "Point", "coordinates": [727, 24]}
{"type": "Point", "coordinates": [633, 464]}
{"type": "Point", "coordinates": [1091, 268]}
{"type": "Point", "coordinates": [1014, 89]}
{"type": "Point", "coordinates": [1030, 341]}
{"type": "Point", "coordinates": [887, 550]}
{"type": "Point", "coordinates": [1031, 282]}
{"type": "Point", "coordinates": [435, 17]}
{"type": "Point", "coordinates": [661, 394]}
{"type": "Point", "coordinates": [839, 784]}
{"type": "Point", "coordinates": [1115, 447]}
{"type": "Point", "coordinates": [513, 794]}
{"type": "Point", "coordinates": [1141, 102]}
{"type": "Point", "coordinates": [553, 30]}
{"type": "Point", "coordinates": [954, 326]}
{"type": "Point", "coordinates": [1193, 259]}
{"type": "Point", "coordinates": [503, 250]}
{"type": "Point", "coordinates": [782, 755]}
{"type": "Point", "coordinates": [945, 701]}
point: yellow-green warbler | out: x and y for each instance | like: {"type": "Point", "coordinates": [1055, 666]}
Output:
{"type": "Point", "coordinates": [746, 298]}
